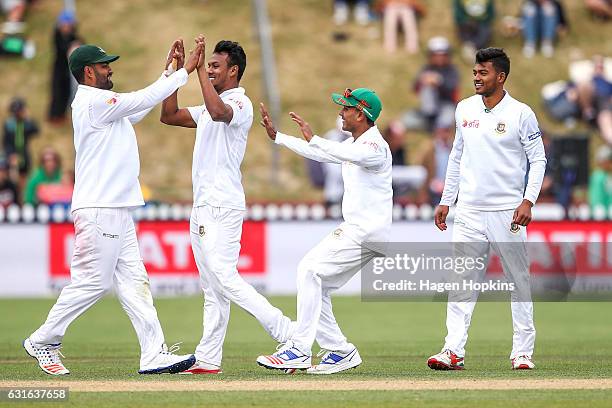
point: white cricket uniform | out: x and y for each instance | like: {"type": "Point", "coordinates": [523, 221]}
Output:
{"type": "Point", "coordinates": [487, 167]}
{"type": "Point", "coordinates": [106, 252]}
{"type": "Point", "coordinates": [216, 226]}
{"type": "Point", "coordinates": [367, 211]}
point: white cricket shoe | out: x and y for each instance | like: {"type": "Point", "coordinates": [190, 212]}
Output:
{"type": "Point", "coordinates": [335, 361]}
{"type": "Point", "coordinates": [445, 360]}
{"type": "Point", "coordinates": [167, 362]}
{"type": "Point", "coordinates": [522, 363]}
{"type": "Point", "coordinates": [200, 367]}
{"type": "Point", "coordinates": [288, 358]}
{"type": "Point", "coordinates": [48, 357]}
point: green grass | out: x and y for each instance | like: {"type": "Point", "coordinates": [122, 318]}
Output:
{"type": "Point", "coordinates": [394, 340]}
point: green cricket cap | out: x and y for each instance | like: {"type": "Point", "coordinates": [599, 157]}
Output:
{"type": "Point", "coordinates": [88, 54]}
{"type": "Point", "coordinates": [363, 99]}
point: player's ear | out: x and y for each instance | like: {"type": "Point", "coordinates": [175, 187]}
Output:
{"type": "Point", "coordinates": [233, 70]}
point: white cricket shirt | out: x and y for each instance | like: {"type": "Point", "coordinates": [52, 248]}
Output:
{"type": "Point", "coordinates": [107, 164]}
{"type": "Point", "coordinates": [488, 161]}
{"type": "Point", "coordinates": [218, 153]}
{"type": "Point", "coordinates": [367, 203]}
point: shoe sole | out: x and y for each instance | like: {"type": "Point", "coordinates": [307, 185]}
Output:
{"type": "Point", "coordinates": [172, 369]}
{"type": "Point", "coordinates": [198, 371]}
{"type": "Point", "coordinates": [286, 369]}
{"type": "Point", "coordinates": [435, 364]}
{"type": "Point", "coordinates": [39, 366]}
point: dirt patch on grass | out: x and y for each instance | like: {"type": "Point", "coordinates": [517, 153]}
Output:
{"type": "Point", "coordinates": [307, 385]}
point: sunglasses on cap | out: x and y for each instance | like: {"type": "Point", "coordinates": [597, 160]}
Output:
{"type": "Point", "coordinates": [348, 93]}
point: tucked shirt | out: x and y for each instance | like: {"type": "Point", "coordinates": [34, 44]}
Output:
{"type": "Point", "coordinates": [367, 203]}
{"type": "Point", "coordinates": [107, 164]}
{"type": "Point", "coordinates": [218, 153]}
{"type": "Point", "coordinates": [488, 161]}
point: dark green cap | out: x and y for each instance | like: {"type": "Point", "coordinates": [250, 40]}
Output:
{"type": "Point", "coordinates": [363, 99]}
{"type": "Point", "coordinates": [87, 55]}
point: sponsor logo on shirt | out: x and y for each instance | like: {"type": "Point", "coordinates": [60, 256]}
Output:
{"type": "Point", "coordinates": [372, 145]}
{"type": "Point", "coordinates": [535, 135]}
{"type": "Point", "coordinates": [501, 128]}
{"type": "Point", "coordinates": [471, 123]}
{"type": "Point", "coordinates": [337, 233]}
{"type": "Point", "coordinates": [112, 101]}
{"type": "Point", "coordinates": [112, 236]}
{"type": "Point", "coordinates": [237, 102]}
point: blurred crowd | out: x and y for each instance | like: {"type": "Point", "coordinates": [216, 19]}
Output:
{"type": "Point", "coordinates": [43, 182]}
{"type": "Point", "coordinates": [585, 96]}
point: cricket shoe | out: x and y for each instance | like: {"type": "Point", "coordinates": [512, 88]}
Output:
{"type": "Point", "coordinates": [287, 358]}
{"type": "Point", "coordinates": [522, 363]}
{"type": "Point", "coordinates": [445, 360]}
{"type": "Point", "coordinates": [166, 362]}
{"type": "Point", "coordinates": [200, 367]}
{"type": "Point", "coordinates": [335, 361]}
{"type": "Point", "coordinates": [48, 357]}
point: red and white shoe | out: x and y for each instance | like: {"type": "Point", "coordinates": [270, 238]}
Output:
{"type": "Point", "coordinates": [445, 360]}
{"type": "Point", "coordinates": [522, 363]}
{"type": "Point", "coordinates": [48, 357]}
{"type": "Point", "coordinates": [201, 367]}
{"type": "Point", "coordinates": [287, 358]}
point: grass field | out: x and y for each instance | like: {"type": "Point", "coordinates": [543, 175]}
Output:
{"type": "Point", "coordinates": [393, 338]}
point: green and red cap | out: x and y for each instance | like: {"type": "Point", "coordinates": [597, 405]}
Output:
{"type": "Point", "coordinates": [363, 99]}
{"type": "Point", "coordinates": [88, 54]}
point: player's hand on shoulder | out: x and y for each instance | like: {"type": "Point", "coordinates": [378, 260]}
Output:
{"type": "Point", "coordinates": [440, 215]}
{"type": "Point", "coordinates": [266, 121]}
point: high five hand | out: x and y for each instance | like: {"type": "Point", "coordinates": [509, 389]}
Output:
{"type": "Point", "coordinates": [266, 122]}
{"type": "Point", "coordinates": [304, 126]}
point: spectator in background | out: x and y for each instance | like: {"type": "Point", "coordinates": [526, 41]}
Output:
{"type": "Point", "coordinates": [8, 189]}
{"type": "Point", "coordinates": [361, 11]}
{"type": "Point", "coordinates": [48, 172]}
{"type": "Point", "coordinates": [19, 129]}
{"type": "Point", "coordinates": [474, 21]}
{"type": "Point", "coordinates": [64, 38]}
{"type": "Point", "coordinates": [406, 178]}
{"type": "Point", "coordinates": [595, 99]}
{"type": "Point", "coordinates": [600, 8]}
{"type": "Point", "coordinates": [542, 20]}
{"type": "Point", "coordinates": [437, 86]}
{"type": "Point", "coordinates": [404, 14]}
{"type": "Point", "coordinates": [435, 161]}
{"type": "Point", "coordinates": [14, 11]}
{"type": "Point", "coordinates": [600, 184]}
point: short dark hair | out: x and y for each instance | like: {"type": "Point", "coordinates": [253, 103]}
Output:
{"type": "Point", "coordinates": [498, 58]}
{"type": "Point", "coordinates": [235, 55]}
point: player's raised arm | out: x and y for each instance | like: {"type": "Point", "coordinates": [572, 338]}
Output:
{"type": "Point", "coordinates": [219, 111]}
{"type": "Point", "coordinates": [299, 146]}
{"type": "Point", "coordinates": [171, 114]}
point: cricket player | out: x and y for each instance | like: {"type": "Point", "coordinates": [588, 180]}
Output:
{"type": "Point", "coordinates": [367, 211]}
{"type": "Point", "coordinates": [106, 253]}
{"type": "Point", "coordinates": [495, 138]}
{"type": "Point", "coordinates": [222, 125]}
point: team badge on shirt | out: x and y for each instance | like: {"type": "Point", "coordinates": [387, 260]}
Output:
{"type": "Point", "coordinates": [337, 233]}
{"type": "Point", "coordinates": [514, 228]}
{"type": "Point", "coordinates": [501, 128]}
{"type": "Point", "coordinates": [201, 230]}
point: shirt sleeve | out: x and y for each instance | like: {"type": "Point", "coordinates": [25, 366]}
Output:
{"type": "Point", "coordinates": [242, 110]}
{"type": "Point", "coordinates": [108, 107]}
{"type": "Point", "coordinates": [451, 183]}
{"type": "Point", "coordinates": [364, 153]}
{"type": "Point", "coordinates": [196, 112]}
{"type": "Point", "coordinates": [303, 148]}
{"type": "Point", "coordinates": [531, 139]}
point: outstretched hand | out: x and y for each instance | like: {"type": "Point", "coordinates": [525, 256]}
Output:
{"type": "Point", "coordinates": [200, 39]}
{"type": "Point", "coordinates": [176, 55]}
{"type": "Point", "coordinates": [266, 122]}
{"type": "Point", "coordinates": [303, 125]}
{"type": "Point", "coordinates": [194, 57]}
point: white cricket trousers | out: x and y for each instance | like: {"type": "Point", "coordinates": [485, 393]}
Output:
{"type": "Point", "coordinates": [105, 255]}
{"type": "Point", "coordinates": [215, 239]}
{"type": "Point", "coordinates": [325, 268]}
{"type": "Point", "coordinates": [492, 229]}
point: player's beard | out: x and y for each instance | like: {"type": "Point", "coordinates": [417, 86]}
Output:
{"type": "Point", "coordinates": [103, 81]}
